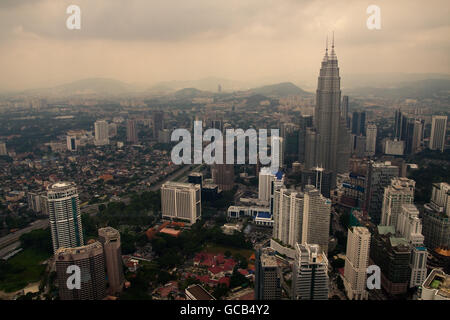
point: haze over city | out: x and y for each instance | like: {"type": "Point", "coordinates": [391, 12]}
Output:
{"type": "Point", "coordinates": [253, 42]}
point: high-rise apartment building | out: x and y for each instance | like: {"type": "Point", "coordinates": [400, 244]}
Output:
{"type": "Point", "coordinates": [302, 217]}
{"type": "Point", "coordinates": [91, 261]}
{"type": "Point", "coordinates": [356, 263]}
{"type": "Point", "coordinates": [110, 239]}
{"type": "Point", "coordinates": [310, 273]}
{"type": "Point", "coordinates": [267, 275]}
{"type": "Point", "coordinates": [399, 192]}
{"type": "Point", "coordinates": [409, 226]}
{"type": "Point", "coordinates": [65, 215]}
{"type": "Point", "coordinates": [101, 133]}
{"type": "Point", "coordinates": [436, 217]}
{"type": "Point", "coordinates": [371, 139]}
{"type": "Point", "coordinates": [132, 135]}
{"type": "Point", "coordinates": [379, 176]}
{"type": "Point", "coordinates": [438, 133]}
{"type": "Point", "coordinates": [181, 201]}
{"type": "Point", "coordinates": [265, 182]}
{"type": "Point", "coordinates": [158, 123]}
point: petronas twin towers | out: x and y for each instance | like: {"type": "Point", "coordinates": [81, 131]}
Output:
{"type": "Point", "coordinates": [328, 142]}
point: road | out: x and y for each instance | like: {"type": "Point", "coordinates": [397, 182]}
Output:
{"type": "Point", "coordinates": [13, 237]}
{"type": "Point", "coordinates": [173, 176]}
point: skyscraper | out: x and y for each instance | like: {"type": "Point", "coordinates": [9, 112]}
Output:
{"type": "Point", "coordinates": [302, 217]}
{"type": "Point", "coordinates": [158, 123]}
{"type": "Point", "coordinates": [181, 201]}
{"type": "Point", "coordinates": [379, 176]}
{"type": "Point", "coordinates": [310, 273]}
{"type": "Point", "coordinates": [436, 217]}
{"type": "Point", "coordinates": [359, 123]}
{"type": "Point", "coordinates": [3, 151]}
{"type": "Point", "coordinates": [409, 226]}
{"type": "Point", "coordinates": [265, 182]}
{"type": "Point", "coordinates": [101, 133]}
{"type": "Point", "coordinates": [65, 216]}
{"type": "Point", "coordinates": [331, 142]}
{"type": "Point", "coordinates": [267, 275]}
{"type": "Point", "coordinates": [344, 110]}
{"type": "Point", "coordinates": [371, 139]}
{"type": "Point", "coordinates": [304, 123]}
{"type": "Point", "coordinates": [438, 133]}
{"type": "Point", "coordinates": [132, 135]}
{"type": "Point", "coordinates": [356, 262]}
{"type": "Point", "coordinates": [399, 192]}
{"type": "Point", "coordinates": [110, 239]}
{"type": "Point", "coordinates": [91, 261]}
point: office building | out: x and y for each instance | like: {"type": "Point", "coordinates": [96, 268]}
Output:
{"type": "Point", "coordinates": [393, 147]}
{"type": "Point", "coordinates": [310, 273]}
{"type": "Point", "coordinates": [379, 176]}
{"type": "Point", "coordinates": [267, 275]}
{"type": "Point", "coordinates": [359, 123]}
{"type": "Point", "coordinates": [393, 255]}
{"type": "Point", "coordinates": [328, 145]}
{"type": "Point", "coordinates": [132, 134]}
{"type": "Point", "coordinates": [196, 178]}
{"type": "Point", "coordinates": [344, 110]}
{"type": "Point", "coordinates": [181, 201]}
{"type": "Point", "coordinates": [438, 133]}
{"type": "Point", "coordinates": [371, 139]}
{"type": "Point", "coordinates": [37, 202]}
{"type": "Point", "coordinates": [110, 239]}
{"type": "Point", "coordinates": [319, 178]}
{"type": "Point", "coordinates": [302, 217]}
{"type": "Point", "coordinates": [101, 133]}
{"type": "Point", "coordinates": [399, 192]}
{"type": "Point", "coordinates": [91, 261]}
{"type": "Point", "coordinates": [65, 215]}
{"type": "Point", "coordinates": [356, 263]}
{"type": "Point", "coordinates": [304, 123]}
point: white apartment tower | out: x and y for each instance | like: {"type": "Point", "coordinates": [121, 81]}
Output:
{"type": "Point", "coordinates": [438, 132]}
{"type": "Point", "coordinates": [310, 273]}
{"type": "Point", "coordinates": [356, 262]}
{"type": "Point", "coordinates": [265, 183]}
{"type": "Point", "coordinates": [101, 133]}
{"type": "Point", "coordinates": [409, 226]}
{"type": "Point", "coordinates": [301, 217]}
{"type": "Point", "coordinates": [399, 192]}
{"type": "Point", "coordinates": [65, 215]}
{"type": "Point", "coordinates": [181, 201]}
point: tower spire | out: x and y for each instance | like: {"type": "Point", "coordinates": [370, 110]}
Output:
{"type": "Point", "coordinates": [325, 58]}
{"type": "Point", "coordinates": [333, 54]}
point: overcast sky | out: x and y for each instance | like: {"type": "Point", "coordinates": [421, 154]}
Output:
{"type": "Point", "coordinates": [147, 41]}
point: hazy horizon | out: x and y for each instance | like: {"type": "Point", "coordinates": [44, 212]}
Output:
{"type": "Point", "coordinates": [253, 41]}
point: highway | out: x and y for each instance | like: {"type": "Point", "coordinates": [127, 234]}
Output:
{"type": "Point", "coordinates": [14, 237]}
